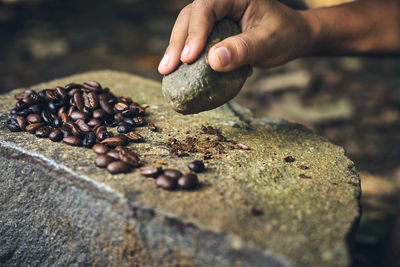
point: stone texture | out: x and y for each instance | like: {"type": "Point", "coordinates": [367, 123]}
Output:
{"type": "Point", "coordinates": [196, 87]}
{"type": "Point", "coordinates": [57, 208]}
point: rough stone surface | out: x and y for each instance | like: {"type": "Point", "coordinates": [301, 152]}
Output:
{"type": "Point", "coordinates": [57, 208]}
{"type": "Point", "coordinates": [196, 87]}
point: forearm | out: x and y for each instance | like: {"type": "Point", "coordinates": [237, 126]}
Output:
{"type": "Point", "coordinates": [359, 28]}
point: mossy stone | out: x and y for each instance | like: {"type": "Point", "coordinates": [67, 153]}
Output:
{"type": "Point", "coordinates": [196, 87]}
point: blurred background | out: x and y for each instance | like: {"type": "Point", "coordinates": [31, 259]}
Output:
{"type": "Point", "coordinates": [354, 102]}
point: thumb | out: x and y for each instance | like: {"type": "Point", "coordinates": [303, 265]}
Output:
{"type": "Point", "coordinates": [235, 51]}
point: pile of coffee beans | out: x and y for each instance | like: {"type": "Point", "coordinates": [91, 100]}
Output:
{"type": "Point", "coordinates": [78, 115]}
{"type": "Point", "coordinates": [171, 179]}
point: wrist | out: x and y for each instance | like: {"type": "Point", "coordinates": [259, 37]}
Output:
{"type": "Point", "coordinates": [313, 28]}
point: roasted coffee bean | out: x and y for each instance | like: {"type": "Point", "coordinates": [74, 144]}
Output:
{"type": "Point", "coordinates": [93, 122]}
{"type": "Point", "coordinates": [135, 137]}
{"type": "Point", "coordinates": [92, 85]}
{"type": "Point", "coordinates": [34, 118]}
{"type": "Point", "coordinates": [66, 131]}
{"type": "Point", "coordinates": [114, 154]}
{"type": "Point", "coordinates": [51, 95]}
{"type": "Point", "coordinates": [139, 121]}
{"type": "Point", "coordinates": [112, 100]}
{"type": "Point", "coordinates": [124, 128]}
{"type": "Point", "coordinates": [166, 182]}
{"type": "Point", "coordinates": [102, 135]}
{"type": "Point", "coordinates": [118, 167]}
{"type": "Point", "coordinates": [61, 110]}
{"type": "Point", "coordinates": [52, 106]}
{"type": "Point", "coordinates": [56, 135]}
{"type": "Point", "coordinates": [31, 128]}
{"type": "Point", "coordinates": [24, 112]}
{"type": "Point", "coordinates": [42, 94]}
{"type": "Point", "coordinates": [46, 116]}
{"type": "Point", "coordinates": [72, 92]}
{"type": "Point", "coordinates": [151, 127]}
{"type": "Point", "coordinates": [64, 117]}
{"type": "Point", "coordinates": [90, 99]}
{"type": "Point", "coordinates": [78, 100]}
{"type": "Point", "coordinates": [20, 105]}
{"type": "Point", "coordinates": [21, 122]}
{"type": "Point", "coordinates": [100, 149]}
{"type": "Point", "coordinates": [12, 126]}
{"type": "Point", "coordinates": [13, 111]}
{"type": "Point", "coordinates": [83, 126]}
{"type": "Point", "coordinates": [120, 106]}
{"type": "Point", "coordinates": [102, 161]}
{"type": "Point", "coordinates": [196, 166]}
{"type": "Point", "coordinates": [43, 132]}
{"type": "Point", "coordinates": [35, 109]}
{"type": "Point", "coordinates": [110, 122]}
{"type": "Point", "coordinates": [78, 115]}
{"type": "Point", "coordinates": [188, 181]}
{"type": "Point", "coordinates": [118, 117]}
{"type": "Point", "coordinates": [72, 86]}
{"type": "Point", "coordinates": [106, 106]}
{"type": "Point", "coordinates": [23, 95]}
{"type": "Point", "coordinates": [28, 101]}
{"type": "Point", "coordinates": [57, 122]}
{"type": "Point", "coordinates": [70, 110]}
{"type": "Point", "coordinates": [172, 173]}
{"type": "Point", "coordinates": [99, 128]}
{"type": "Point", "coordinates": [129, 157]}
{"type": "Point", "coordinates": [89, 139]}
{"type": "Point", "coordinates": [61, 92]}
{"type": "Point", "coordinates": [151, 171]}
{"type": "Point", "coordinates": [72, 141]}
{"type": "Point", "coordinates": [129, 113]}
{"type": "Point", "coordinates": [74, 128]}
{"type": "Point", "coordinates": [123, 137]}
{"type": "Point", "coordinates": [126, 100]}
{"type": "Point", "coordinates": [113, 141]}
{"type": "Point", "coordinates": [129, 121]}
{"type": "Point", "coordinates": [99, 114]}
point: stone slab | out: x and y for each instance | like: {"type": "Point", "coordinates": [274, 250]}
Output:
{"type": "Point", "coordinates": [57, 208]}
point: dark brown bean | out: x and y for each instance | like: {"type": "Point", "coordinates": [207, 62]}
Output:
{"type": "Point", "coordinates": [151, 127]}
{"type": "Point", "coordinates": [139, 121]}
{"type": "Point", "coordinates": [129, 157]}
{"type": "Point", "coordinates": [57, 122]}
{"type": "Point", "coordinates": [51, 95]}
{"type": "Point", "coordinates": [106, 106]}
{"type": "Point", "coordinates": [196, 166]}
{"type": "Point", "coordinates": [99, 128]}
{"type": "Point", "coordinates": [124, 128]}
{"type": "Point", "coordinates": [172, 173]}
{"type": "Point", "coordinates": [13, 126]}
{"type": "Point", "coordinates": [61, 92]}
{"type": "Point", "coordinates": [188, 181]}
{"type": "Point", "coordinates": [89, 139]}
{"type": "Point", "coordinates": [166, 182]}
{"type": "Point", "coordinates": [114, 154]}
{"type": "Point", "coordinates": [99, 114]}
{"type": "Point", "coordinates": [92, 85]}
{"type": "Point", "coordinates": [72, 86]}
{"type": "Point", "coordinates": [31, 128]}
{"type": "Point", "coordinates": [56, 135]}
{"type": "Point", "coordinates": [83, 126]}
{"type": "Point", "coordinates": [151, 171]}
{"type": "Point", "coordinates": [70, 110]}
{"type": "Point", "coordinates": [129, 121]}
{"type": "Point", "coordinates": [47, 118]}
{"type": "Point", "coordinates": [21, 122]}
{"type": "Point", "coordinates": [66, 131]}
{"type": "Point", "coordinates": [78, 115]}
{"type": "Point", "coordinates": [35, 109]}
{"type": "Point", "coordinates": [113, 141]}
{"type": "Point", "coordinates": [100, 149]}
{"type": "Point", "coordinates": [34, 118]}
{"type": "Point", "coordinates": [102, 161]}
{"type": "Point", "coordinates": [78, 100]}
{"type": "Point", "coordinates": [90, 99]}
{"type": "Point", "coordinates": [102, 135]}
{"type": "Point", "coordinates": [72, 141]}
{"type": "Point", "coordinates": [118, 167]}
{"type": "Point", "coordinates": [43, 132]}
{"type": "Point", "coordinates": [120, 106]}
{"type": "Point", "coordinates": [64, 118]}
{"type": "Point", "coordinates": [135, 137]}
{"type": "Point", "coordinates": [118, 117]}
{"type": "Point", "coordinates": [110, 122]}
{"type": "Point", "coordinates": [93, 122]}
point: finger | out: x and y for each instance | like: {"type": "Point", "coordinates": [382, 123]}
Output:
{"type": "Point", "coordinates": [171, 58]}
{"type": "Point", "coordinates": [204, 14]}
{"type": "Point", "coordinates": [236, 51]}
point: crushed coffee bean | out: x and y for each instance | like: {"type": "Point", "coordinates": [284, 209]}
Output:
{"type": "Point", "coordinates": [303, 167]}
{"type": "Point", "coordinates": [304, 176]}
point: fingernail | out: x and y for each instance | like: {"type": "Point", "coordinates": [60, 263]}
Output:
{"type": "Point", "coordinates": [185, 51]}
{"type": "Point", "coordinates": [224, 55]}
{"type": "Point", "coordinates": [164, 61]}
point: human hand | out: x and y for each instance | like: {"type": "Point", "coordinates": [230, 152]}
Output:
{"type": "Point", "coordinates": [273, 34]}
